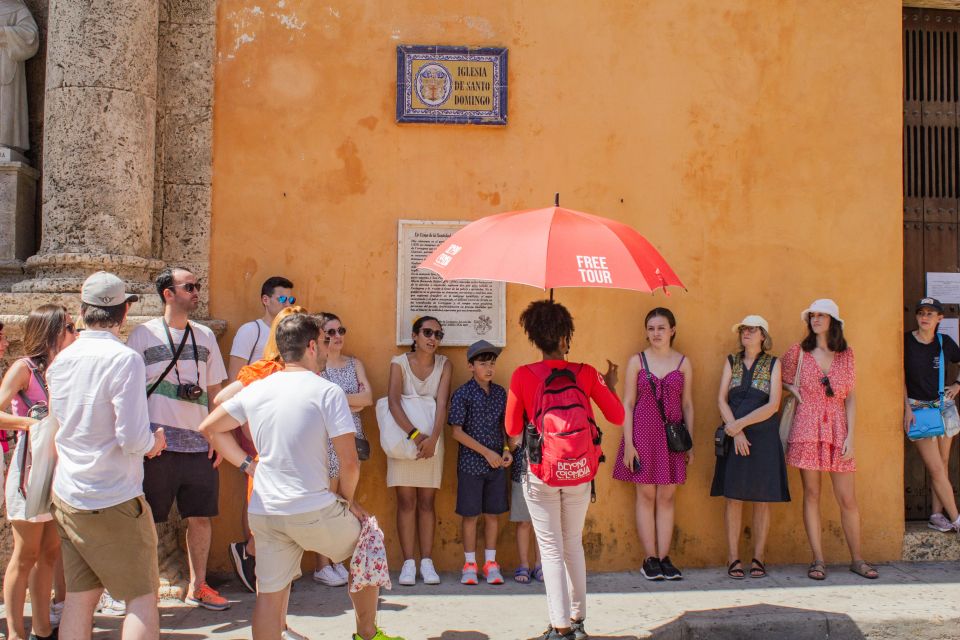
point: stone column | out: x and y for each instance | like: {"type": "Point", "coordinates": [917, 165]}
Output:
{"type": "Point", "coordinates": [98, 152]}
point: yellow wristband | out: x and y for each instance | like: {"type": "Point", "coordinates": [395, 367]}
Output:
{"type": "Point", "coordinates": [506, 448]}
{"type": "Point", "coordinates": [413, 434]}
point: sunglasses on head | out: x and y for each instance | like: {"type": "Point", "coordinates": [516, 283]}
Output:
{"type": "Point", "coordinates": [825, 381]}
{"type": "Point", "coordinates": [189, 287]}
{"type": "Point", "coordinates": [286, 299]}
{"type": "Point", "coordinates": [429, 333]}
{"type": "Point", "coordinates": [339, 331]}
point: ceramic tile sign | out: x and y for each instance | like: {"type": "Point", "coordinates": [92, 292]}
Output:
{"type": "Point", "coordinates": [451, 85]}
{"type": "Point", "coordinates": [469, 310]}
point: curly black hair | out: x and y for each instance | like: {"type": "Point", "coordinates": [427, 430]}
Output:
{"type": "Point", "coordinates": [547, 322]}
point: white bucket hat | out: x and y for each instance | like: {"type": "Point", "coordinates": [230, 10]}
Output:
{"type": "Point", "coordinates": [823, 305]}
{"type": "Point", "coordinates": [752, 321]}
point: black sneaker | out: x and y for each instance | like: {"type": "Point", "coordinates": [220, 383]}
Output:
{"type": "Point", "coordinates": [245, 565]}
{"type": "Point", "coordinates": [670, 572]}
{"type": "Point", "coordinates": [579, 633]}
{"type": "Point", "coordinates": [651, 569]}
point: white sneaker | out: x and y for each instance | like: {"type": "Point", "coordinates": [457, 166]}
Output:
{"type": "Point", "coordinates": [341, 571]}
{"type": "Point", "coordinates": [329, 576]}
{"type": "Point", "coordinates": [110, 607]}
{"type": "Point", "coordinates": [408, 573]}
{"type": "Point", "coordinates": [430, 575]}
{"type": "Point", "coordinates": [56, 612]}
{"type": "Point", "coordinates": [939, 522]}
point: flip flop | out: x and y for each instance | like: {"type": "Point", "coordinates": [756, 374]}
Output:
{"type": "Point", "coordinates": [736, 574]}
{"type": "Point", "coordinates": [759, 571]}
{"type": "Point", "coordinates": [537, 573]}
{"type": "Point", "coordinates": [864, 570]}
{"type": "Point", "coordinates": [817, 571]}
{"type": "Point", "coordinates": [522, 575]}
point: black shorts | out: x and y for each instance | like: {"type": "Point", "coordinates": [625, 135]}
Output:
{"type": "Point", "coordinates": [482, 494]}
{"type": "Point", "coordinates": [188, 478]}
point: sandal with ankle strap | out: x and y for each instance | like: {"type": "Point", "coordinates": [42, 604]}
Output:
{"type": "Point", "coordinates": [733, 572]}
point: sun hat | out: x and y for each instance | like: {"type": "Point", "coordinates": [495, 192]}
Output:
{"type": "Point", "coordinates": [752, 321]}
{"type": "Point", "coordinates": [933, 303]}
{"type": "Point", "coordinates": [104, 289]}
{"type": "Point", "coordinates": [823, 305]}
{"type": "Point", "coordinates": [482, 346]}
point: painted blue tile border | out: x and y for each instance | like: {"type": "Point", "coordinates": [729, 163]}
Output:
{"type": "Point", "coordinates": [405, 111]}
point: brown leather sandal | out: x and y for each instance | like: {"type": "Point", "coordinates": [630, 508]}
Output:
{"type": "Point", "coordinates": [734, 572]}
{"type": "Point", "coordinates": [817, 571]}
{"type": "Point", "coordinates": [864, 570]}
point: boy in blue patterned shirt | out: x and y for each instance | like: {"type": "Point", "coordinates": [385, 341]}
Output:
{"type": "Point", "coordinates": [476, 414]}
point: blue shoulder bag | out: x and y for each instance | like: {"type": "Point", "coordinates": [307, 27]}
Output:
{"type": "Point", "coordinates": [927, 421]}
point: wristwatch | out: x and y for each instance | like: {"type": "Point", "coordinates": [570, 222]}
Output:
{"type": "Point", "coordinates": [246, 463]}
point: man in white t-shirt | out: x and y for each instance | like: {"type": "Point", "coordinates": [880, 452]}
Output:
{"type": "Point", "coordinates": [180, 390]}
{"type": "Point", "coordinates": [293, 415]}
{"type": "Point", "coordinates": [276, 294]}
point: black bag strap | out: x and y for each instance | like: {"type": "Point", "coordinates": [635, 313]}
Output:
{"type": "Point", "coordinates": [173, 362]}
{"type": "Point", "coordinates": [653, 388]}
{"type": "Point", "coordinates": [254, 347]}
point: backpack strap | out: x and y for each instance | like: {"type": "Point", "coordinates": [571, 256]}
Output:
{"type": "Point", "coordinates": [653, 388]}
{"type": "Point", "coordinates": [252, 349]}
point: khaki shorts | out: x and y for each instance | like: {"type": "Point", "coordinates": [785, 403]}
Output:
{"type": "Point", "coordinates": [281, 540]}
{"type": "Point", "coordinates": [113, 548]}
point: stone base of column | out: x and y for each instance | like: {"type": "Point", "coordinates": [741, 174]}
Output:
{"type": "Point", "coordinates": [18, 202]}
{"type": "Point", "coordinates": [65, 272]}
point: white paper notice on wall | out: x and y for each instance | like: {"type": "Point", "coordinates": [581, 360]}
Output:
{"type": "Point", "coordinates": [944, 286]}
{"type": "Point", "coordinates": [950, 327]}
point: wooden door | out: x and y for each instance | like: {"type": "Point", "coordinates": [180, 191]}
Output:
{"type": "Point", "coordinates": [931, 188]}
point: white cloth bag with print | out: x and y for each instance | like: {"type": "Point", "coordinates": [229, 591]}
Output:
{"type": "Point", "coordinates": [420, 411]}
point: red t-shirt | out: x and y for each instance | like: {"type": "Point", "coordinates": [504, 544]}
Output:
{"type": "Point", "coordinates": [526, 380]}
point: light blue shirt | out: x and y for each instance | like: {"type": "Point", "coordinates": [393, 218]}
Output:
{"type": "Point", "coordinates": [97, 396]}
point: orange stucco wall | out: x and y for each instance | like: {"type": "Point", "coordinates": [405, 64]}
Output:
{"type": "Point", "coordinates": [756, 144]}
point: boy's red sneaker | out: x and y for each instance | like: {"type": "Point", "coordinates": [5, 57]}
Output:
{"type": "Point", "coordinates": [469, 574]}
{"type": "Point", "coordinates": [492, 572]}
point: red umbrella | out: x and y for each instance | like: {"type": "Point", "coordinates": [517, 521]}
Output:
{"type": "Point", "coordinates": [550, 248]}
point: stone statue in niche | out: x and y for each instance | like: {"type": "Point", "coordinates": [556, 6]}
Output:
{"type": "Point", "coordinates": [19, 41]}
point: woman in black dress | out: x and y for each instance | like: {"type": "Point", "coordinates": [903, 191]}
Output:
{"type": "Point", "coordinates": [753, 469]}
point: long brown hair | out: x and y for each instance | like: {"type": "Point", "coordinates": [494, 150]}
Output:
{"type": "Point", "coordinates": [835, 340]}
{"type": "Point", "coordinates": [42, 331]}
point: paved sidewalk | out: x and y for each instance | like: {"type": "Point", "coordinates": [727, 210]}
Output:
{"type": "Point", "coordinates": [919, 601]}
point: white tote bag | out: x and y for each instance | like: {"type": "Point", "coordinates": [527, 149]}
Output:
{"type": "Point", "coordinates": [420, 411]}
{"type": "Point", "coordinates": [44, 453]}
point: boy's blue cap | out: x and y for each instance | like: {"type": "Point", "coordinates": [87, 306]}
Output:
{"type": "Point", "coordinates": [481, 346]}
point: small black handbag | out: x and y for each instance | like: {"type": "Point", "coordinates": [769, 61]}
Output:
{"type": "Point", "coordinates": [721, 442]}
{"type": "Point", "coordinates": [678, 436]}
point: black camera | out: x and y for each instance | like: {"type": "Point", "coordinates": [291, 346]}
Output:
{"type": "Point", "coordinates": [189, 391]}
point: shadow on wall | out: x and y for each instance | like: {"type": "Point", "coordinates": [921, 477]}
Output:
{"type": "Point", "coordinates": [758, 621]}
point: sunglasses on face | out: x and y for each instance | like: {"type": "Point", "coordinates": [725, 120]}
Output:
{"type": "Point", "coordinates": [825, 381]}
{"type": "Point", "coordinates": [190, 287]}
{"type": "Point", "coordinates": [429, 333]}
{"type": "Point", "coordinates": [286, 299]}
{"type": "Point", "coordinates": [339, 331]}
{"type": "Point", "coordinates": [749, 329]}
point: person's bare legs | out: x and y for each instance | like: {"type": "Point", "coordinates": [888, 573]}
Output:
{"type": "Point", "coordinates": [491, 530]}
{"type": "Point", "coordinates": [665, 495]}
{"type": "Point", "coordinates": [365, 609]}
{"type": "Point", "coordinates": [268, 614]}
{"type": "Point", "coordinates": [426, 520]}
{"type": "Point", "coordinates": [78, 608]}
{"type": "Point", "coordinates": [407, 520]}
{"type": "Point", "coordinates": [468, 531]}
{"type": "Point", "coordinates": [142, 621]}
{"type": "Point", "coordinates": [199, 533]}
{"type": "Point", "coordinates": [844, 491]}
{"type": "Point", "coordinates": [732, 519]}
{"type": "Point", "coordinates": [41, 580]}
{"type": "Point", "coordinates": [811, 511]}
{"type": "Point", "coordinates": [646, 495]}
{"type": "Point", "coordinates": [27, 544]}
{"type": "Point", "coordinates": [943, 497]}
{"type": "Point", "coordinates": [523, 543]}
{"type": "Point", "coordinates": [761, 528]}
{"type": "Point", "coordinates": [943, 445]}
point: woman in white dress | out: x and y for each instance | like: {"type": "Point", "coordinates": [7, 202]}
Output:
{"type": "Point", "coordinates": [423, 372]}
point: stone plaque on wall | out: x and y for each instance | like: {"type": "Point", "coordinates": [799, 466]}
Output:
{"type": "Point", "coordinates": [469, 310]}
{"type": "Point", "coordinates": [451, 85]}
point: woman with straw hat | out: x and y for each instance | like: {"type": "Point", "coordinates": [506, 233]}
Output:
{"type": "Point", "coordinates": [750, 466]}
{"type": "Point", "coordinates": [821, 437]}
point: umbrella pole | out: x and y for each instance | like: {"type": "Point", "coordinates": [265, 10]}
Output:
{"type": "Point", "coordinates": [551, 294]}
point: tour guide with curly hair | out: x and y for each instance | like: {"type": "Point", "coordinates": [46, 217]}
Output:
{"type": "Point", "coordinates": [558, 513]}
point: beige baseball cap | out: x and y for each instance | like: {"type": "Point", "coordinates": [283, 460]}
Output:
{"type": "Point", "coordinates": [104, 289]}
{"type": "Point", "coordinates": [752, 321]}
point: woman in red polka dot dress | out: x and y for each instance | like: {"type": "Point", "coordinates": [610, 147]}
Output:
{"type": "Point", "coordinates": [644, 458]}
{"type": "Point", "coordinates": [821, 436]}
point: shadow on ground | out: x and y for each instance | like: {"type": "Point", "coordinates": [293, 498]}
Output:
{"type": "Point", "coordinates": [758, 621]}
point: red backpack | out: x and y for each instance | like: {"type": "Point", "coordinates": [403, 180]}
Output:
{"type": "Point", "coordinates": [563, 439]}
